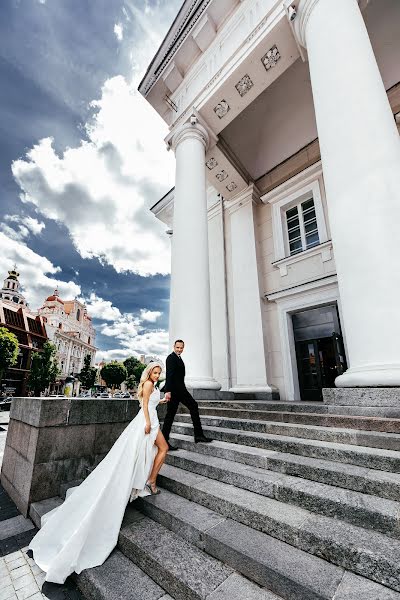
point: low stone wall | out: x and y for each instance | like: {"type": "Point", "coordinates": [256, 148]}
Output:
{"type": "Point", "coordinates": [51, 441]}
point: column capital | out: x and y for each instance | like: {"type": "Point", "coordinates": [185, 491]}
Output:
{"type": "Point", "coordinates": [304, 11]}
{"type": "Point", "coordinates": [191, 130]}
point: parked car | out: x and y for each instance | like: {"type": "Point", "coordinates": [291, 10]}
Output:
{"type": "Point", "coordinates": [104, 395]}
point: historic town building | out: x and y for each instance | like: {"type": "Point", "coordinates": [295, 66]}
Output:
{"type": "Point", "coordinates": [284, 120]}
{"type": "Point", "coordinates": [26, 326]}
{"type": "Point", "coordinates": [70, 328]}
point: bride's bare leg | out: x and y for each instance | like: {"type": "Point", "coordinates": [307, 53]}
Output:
{"type": "Point", "coordinates": [160, 458]}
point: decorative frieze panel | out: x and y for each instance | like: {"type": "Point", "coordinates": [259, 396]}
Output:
{"type": "Point", "coordinates": [244, 85]}
{"type": "Point", "coordinates": [211, 163]}
{"type": "Point", "coordinates": [222, 175]}
{"type": "Point", "coordinates": [222, 109]}
{"type": "Point", "coordinates": [231, 186]}
{"type": "Point", "coordinates": [270, 59]}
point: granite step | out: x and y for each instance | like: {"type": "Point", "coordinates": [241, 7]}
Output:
{"type": "Point", "coordinates": [284, 569]}
{"type": "Point", "coordinates": [342, 475]}
{"type": "Point", "coordinates": [389, 412]}
{"type": "Point", "coordinates": [341, 435]}
{"type": "Point", "coordinates": [365, 552]}
{"type": "Point", "coordinates": [119, 579]}
{"type": "Point", "coordinates": [314, 407]}
{"type": "Point", "coordinates": [356, 508]}
{"type": "Point", "coordinates": [373, 458]}
{"type": "Point", "coordinates": [181, 568]}
{"type": "Point", "coordinates": [324, 420]}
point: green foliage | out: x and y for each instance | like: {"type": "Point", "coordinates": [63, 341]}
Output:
{"type": "Point", "coordinates": [113, 373]}
{"type": "Point", "coordinates": [87, 376]}
{"type": "Point", "coordinates": [44, 369]}
{"type": "Point", "coordinates": [135, 369]}
{"type": "Point", "coordinates": [8, 350]}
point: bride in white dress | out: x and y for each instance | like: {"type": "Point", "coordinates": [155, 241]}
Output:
{"type": "Point", "coordinates": [81, 533]}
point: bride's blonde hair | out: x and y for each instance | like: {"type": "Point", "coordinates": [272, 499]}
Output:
{"type": "Point", "coordinates": [145, 377]}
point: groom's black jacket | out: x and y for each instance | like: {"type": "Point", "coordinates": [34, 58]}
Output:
{"type": "Point", "coordinates": [175, 376]}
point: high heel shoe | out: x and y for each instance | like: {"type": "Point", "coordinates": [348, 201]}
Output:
{"type": "Point", "coordinates": [150, 489]}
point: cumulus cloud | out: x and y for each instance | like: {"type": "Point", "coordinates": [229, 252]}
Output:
{"type": "Point", "coordinates": [130, 331]}
{"type": "Point", "coordinates": [101, 190]}
{"type": "Point", "coordinates": [119, 31]}
{"type": "Point", "coordinates": [37, 273]}
{"type": "Point", "coordinates": [21, 227]}
{"type": "Point", "coordinates": [150, 315]}
{"type": "Point", "coordinates": [101, 309]}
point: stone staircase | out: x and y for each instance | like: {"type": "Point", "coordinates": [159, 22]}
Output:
{"type": "Point", "coordinates": [291, 501]}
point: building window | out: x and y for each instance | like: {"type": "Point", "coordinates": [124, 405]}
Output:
{"type": "Point", "coordinates": [78, 314]}
{"type": "Point", "coordinates": [302, 227]}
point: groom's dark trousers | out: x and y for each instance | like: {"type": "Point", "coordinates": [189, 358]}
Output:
{"type": "Point", "coordinates": [175, 383]}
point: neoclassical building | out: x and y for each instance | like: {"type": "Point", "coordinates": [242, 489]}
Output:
{"type": "Point", "coordinates": [284, 219]}
{"type": "Point", "coordinates": [70, 328]}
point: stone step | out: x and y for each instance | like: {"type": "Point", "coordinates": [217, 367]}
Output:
{"type": "Point", "coordinates": [359, 479]}
{"type": "Point", "coordinates": [372, 458]}
{"type": "Point", "coordinates": [389, 412]}
{"type": "Point", "coordinates": [365, 552]}
{"type": "Point", "coordinates": [119, 579]}
{"type": "Point", "coordinates": [284, 569]}
{"type": "Point", "coordinates": [356, 508]}
{"type": "Point", "coordinates": [357, 437]}
{"type": "Point", "coordinates": [324, 420]}
{"type": "Point", "coordinates": [313, 407]}
{"type": "Point", "coordinates": [180, 567]}
{"type": "Point", "coordinates": [41, 507]}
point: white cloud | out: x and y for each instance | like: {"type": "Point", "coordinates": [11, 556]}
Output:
{"type": "Point", "coordinates": [21, 227]}
{"type": "Point", "coordinates": [102, 309]}
{"type": "Point", "coordinates": [154, 343]}
{"type": "Point", "coordinates": [124, 329]}
{"type": "Point", "coordinates": [102, 189]}
{"type": "Point", "coordinates": [150, 315]}
{"type": "Point", "coordinates": [36, 272]}
{"type": "Point", "coordinates": [119, 31]}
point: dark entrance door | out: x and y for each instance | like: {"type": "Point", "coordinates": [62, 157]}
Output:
{"type": "Point", "coordinates": [319, 350]}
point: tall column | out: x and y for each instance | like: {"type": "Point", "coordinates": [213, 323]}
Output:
{"type": "Point", "coordinates": [190, 292]}
{"type": "Point", "coordinates": [250, 351]}
{"type": "Point", "coordinates": [360, 152]}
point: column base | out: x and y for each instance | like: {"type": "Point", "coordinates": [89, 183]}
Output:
{"type": "Point", "coordinates": [373, 376]}
{"type": "Point", "coordinates": [250, 389]}
{"type": "Point", "coordinates": [363, 397]}
{"type": "Point", "coordinates": [202, 383]}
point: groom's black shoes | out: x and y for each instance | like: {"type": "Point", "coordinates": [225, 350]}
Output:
{"type": "Point", "coordinates": [203, 439]}
{"type": "Point", "coordinates": [172, 448]}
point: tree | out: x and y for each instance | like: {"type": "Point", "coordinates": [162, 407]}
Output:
{"type": "Point", "coordinates": [8, 350]}
{"type": "Point", "coordinates": [44, 369]}
{"type": "Point", "coordinates": [113, 373]}
{"type": "Point", "coordinates": [135, 369]}
{"type": "Point", "coordinates": [87, 376]}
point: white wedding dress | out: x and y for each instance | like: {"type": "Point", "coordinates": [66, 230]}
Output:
{"type": "Point", "coordinates": [82, 532]}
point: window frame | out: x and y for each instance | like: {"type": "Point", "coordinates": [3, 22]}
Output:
{"type": "Point", "coordinates": [300, 216]}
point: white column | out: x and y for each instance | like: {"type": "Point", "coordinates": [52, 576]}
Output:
{"type": "Point", "coordinates": [190, 291]}
{"type": "Point", "coordinates": [250, 351]}
{"type": "Point", "coordinates": [360, 152]}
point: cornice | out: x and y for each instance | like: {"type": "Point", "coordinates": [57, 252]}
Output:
{"type": "Point", "coordinates": [189, 21]}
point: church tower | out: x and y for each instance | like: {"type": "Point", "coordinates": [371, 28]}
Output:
{"type": "Point", "coordinates": [11, 288]}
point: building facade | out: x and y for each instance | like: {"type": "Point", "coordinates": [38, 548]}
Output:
{"type": "Point", "coordinates": [70, 329]}
{"type": "Point", "coordinates": [26, 326]}
{"type": "Point", "coordinates": [284, 119]}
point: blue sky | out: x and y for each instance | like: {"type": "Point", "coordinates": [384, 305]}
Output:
{"type": "Point", "coordinates": [81, 161]}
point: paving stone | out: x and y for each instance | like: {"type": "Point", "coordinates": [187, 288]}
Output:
{"type": "Point", "coordinates": [354, 587]}
{"type": "Point", "coordinates": [18, 562]}
{"type": "Point", "coordinates": [5, 580]}
{"type": "Point", "coordinates": [7, 593]}
{"type": "Point", "coordinates": [19, 572]}
{"type": "Point", "coordinates": [13, 556]}
{"type": "Point", "coordinates": [24, 581]}
{"type": "Point", "coordinates": [28, 591]}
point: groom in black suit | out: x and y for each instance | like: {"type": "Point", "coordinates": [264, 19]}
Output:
{"type": "Point", "coordinates": [175, 392]}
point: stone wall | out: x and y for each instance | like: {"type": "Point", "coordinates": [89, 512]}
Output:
{"type": "Point", "coordinates": [51, 441]}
